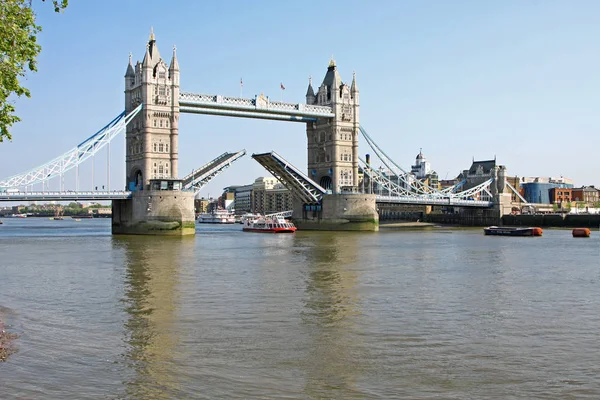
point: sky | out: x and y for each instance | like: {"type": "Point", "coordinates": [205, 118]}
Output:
{"type": "Point", "coordinates": [518, 80]}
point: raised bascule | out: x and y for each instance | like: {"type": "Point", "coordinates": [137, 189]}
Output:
{"type": "Point", "coordinates": [338, 191]}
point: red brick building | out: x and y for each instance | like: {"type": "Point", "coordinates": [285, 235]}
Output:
{"type": "Point", "coordinates": [561, 195]}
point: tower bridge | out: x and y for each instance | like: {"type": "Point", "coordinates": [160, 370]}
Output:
{"type": "Point", "coordinates": [330, 195]}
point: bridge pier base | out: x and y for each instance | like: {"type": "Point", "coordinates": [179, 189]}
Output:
{"type": "Point", "coordinates": [339, 212]}
{"type": "Point", "coordinates": [155, 212]}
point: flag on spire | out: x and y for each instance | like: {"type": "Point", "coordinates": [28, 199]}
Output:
{"type": "Point", "coordinates": [241, 82]}
{"type": "Point", "coordinates": [281, 86]}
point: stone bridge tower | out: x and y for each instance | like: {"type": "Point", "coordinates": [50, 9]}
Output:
{"type": "Point", "coordinates": [333, 143]}
{"type": "Point", "coordinates": [333, 160]}
{"type": "Point", "coordinates": [152, 137]}
{"type": "Point", "coordinates": [151, 152]}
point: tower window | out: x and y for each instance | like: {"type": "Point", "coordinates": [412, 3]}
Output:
{"type": "Point", "coordinates": [155, 147]}
{"type": "Point", "coordinates": [155, 123]}
{"type": "Point", "coordinates": [161, 122]}
{"type": "Point", "coordinates": [160, 147]}
{"type": "Point", "coordinates": [167, 149]}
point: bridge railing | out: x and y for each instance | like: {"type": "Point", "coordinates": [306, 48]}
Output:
{"type": "Point", "coordinates": [423, 200]}
{"type": "Point", "coordinates": [65, 195]}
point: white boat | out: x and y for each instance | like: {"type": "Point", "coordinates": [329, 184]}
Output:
{"type": "Point", "coordinates": [249, 217]}
{"type": "Point", "coordinates": [218, 216]}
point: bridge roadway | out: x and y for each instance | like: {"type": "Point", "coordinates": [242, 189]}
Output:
{"type": "Point", "coordinates": [118, 195]}
{"type": "Point", "coordinates": [65, 195]}
{"type": "Point", "coordinates": [260, 107]}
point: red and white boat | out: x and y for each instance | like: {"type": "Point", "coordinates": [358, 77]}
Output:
{"type": "Point", "coordinates": [268, 224]}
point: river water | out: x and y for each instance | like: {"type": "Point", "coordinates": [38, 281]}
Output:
{"type": "Point", "coordinates": [428, 314]}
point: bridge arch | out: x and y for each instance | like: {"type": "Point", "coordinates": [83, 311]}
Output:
{"type": "Point", "coordinates": [326, 182]}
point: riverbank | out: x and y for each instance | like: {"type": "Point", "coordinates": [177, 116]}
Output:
{"type": "Point", "coordinates": [6, 340]}
{"type": "Point", "coordinates": [406, 225]}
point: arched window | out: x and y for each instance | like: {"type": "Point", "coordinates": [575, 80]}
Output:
{"type": "Point", "coordinates": [155, 123]}
{"type": "Point", "coordinates": [160, 170]}
{"type": "Point", "coordinates": [155, 147]}
{"type": "Point", "coordinates": [167, 148]}
{"type": "Point", "coordinates": [161, 123]}
{"type": "Point", "coordinates": [161, 147]}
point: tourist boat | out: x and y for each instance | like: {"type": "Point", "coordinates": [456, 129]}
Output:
{"type": "Point", "coordinates": [269, 225]}
{"type": "Point", "coordinates": [512, 231]}
{"type": "Point", "coordinates": [218, 216]}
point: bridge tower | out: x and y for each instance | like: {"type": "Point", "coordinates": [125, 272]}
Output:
{"type": "Point", "coordinates": [152, 137]}
{"type": "Point", "coordinates": [158, 206]}
{"type": "Point", "coordinates": [333, 143]}
{"type": "Point", "coordinates": [333, 160]}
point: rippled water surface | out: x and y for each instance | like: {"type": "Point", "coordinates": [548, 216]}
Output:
{"type": "Point", "coordinates": [434, 314]}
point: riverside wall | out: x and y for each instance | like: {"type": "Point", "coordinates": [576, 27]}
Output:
{"type": "Point", "coordinates": [553, 220]}
{"type": "Point", "coordinates": [472, 217]}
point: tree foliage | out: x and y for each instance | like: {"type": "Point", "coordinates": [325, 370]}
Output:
{"type": "Point", "coordinates": [18, 53]}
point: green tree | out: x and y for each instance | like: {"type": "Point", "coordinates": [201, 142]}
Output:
{"type": "Point", "coordinates": [18, 54]}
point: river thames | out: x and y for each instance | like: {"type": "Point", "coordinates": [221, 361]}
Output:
{"type": "Point", "coordinates": [428, 314]}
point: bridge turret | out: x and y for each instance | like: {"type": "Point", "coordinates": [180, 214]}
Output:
{"type": "Point", "coordinates": [354, 88]}
{"type": "Point", "coordinates": [310, 93]}
{"type": "Point", "coordinates": [174, 66]}
{"type": "Point", "coordinates": [129, 82]}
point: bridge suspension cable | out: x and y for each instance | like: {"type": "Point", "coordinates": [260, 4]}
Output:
{"type": "Point", "coordinates": [73, 157]}
{"type": "Point", "coordinates": [414, 185]}
{"type": "Point", "coordinates": [401, 183]}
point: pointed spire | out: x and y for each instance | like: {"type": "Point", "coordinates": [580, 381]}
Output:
{"type": "Point", "coordinates": [332, 62]}
{"type": "Point", "coordinates": [354, 87]}
{"type": "Point", "coordinates": [147, 57]}
{"type": "Point", "coordinates": [152, 38]}
{"type": "Point", "coordinates": [174, 64]}
{"type": "Point", "coordinates": [310, 91]}
{"type": "Point", "coordinates": [130, 71]}
{"type": "Point", "coordinates": [332, 78]}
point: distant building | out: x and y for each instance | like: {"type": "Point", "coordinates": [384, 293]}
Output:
{"type": "Point", "coordinates": [201, 205]}
{"type": "Point", "coordinates": [478, 173]}
{"type": "Point", "coordinates": [423, 172]}
{"type": "Point", "coordinates": [537, 189]}
{"type": "Point", "coordinates": [586, 194]}
{"type": "Point", "coordinates": [561, 195]}
{"type": "Point", "coordinates": [269, 196]}
{"type": "Point", "coordinates": [243, 199]}
{"type": "Point", "coordinates": [226, 200]}
{"type": "Point", "coordinates": [422, 167]}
